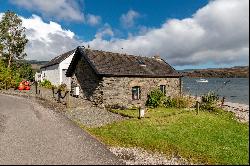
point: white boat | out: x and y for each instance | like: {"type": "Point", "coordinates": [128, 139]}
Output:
{"type": "Point", "coordinates": [202, 80]}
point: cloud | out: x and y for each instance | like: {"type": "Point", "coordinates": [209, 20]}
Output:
{"type": "Point", "coordinates": [93, 20]}
{"type": "Point", "coordinates": [217, 33]}
{"type": "Point", "coordinates": [47, 40]}
{"type": "Point", "coordinates": [128, 20]}
{"type": "Point", "coordinates": [59, 9]}
{"type": "Point", "coordinates": [105, 31]}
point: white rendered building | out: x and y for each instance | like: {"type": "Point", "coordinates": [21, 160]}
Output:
{"type": "Point", "coordinates": [55, 70]}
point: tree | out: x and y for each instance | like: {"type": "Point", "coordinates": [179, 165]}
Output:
{"type": "Point", "coordinates": [12, 38]}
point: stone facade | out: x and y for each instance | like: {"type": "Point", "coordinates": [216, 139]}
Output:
{"type": "Point", "coordinates": [103, 91]}
{"type": "Point", "coordinates": [118, 90]}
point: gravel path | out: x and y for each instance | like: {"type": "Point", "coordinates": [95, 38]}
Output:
{"type": "Point", "coordinates": [139, 156]}
{"type": "Point", "coordinates": [31, 134]}
{"type": "Point", "coordinates": [91, 116]}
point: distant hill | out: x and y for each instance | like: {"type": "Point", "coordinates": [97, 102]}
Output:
{"type": "Point", "coordinates": [237, 71]}
{"type": "Point", "coordinates": [36, 64]}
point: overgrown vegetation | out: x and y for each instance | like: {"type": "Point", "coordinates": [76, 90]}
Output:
{"type": "Point", "coordinates": [178, 102]}
{"type": "Point", "coordinates": [157, 99]}
{"type": "Point", "coordinates": [46, 84]}
{"type": "Point", "coordinates": [206, 138]}
{"type": "Point", "coordinates": [62, 87]}
{"type": "Point", "coordinates": [209, 101]}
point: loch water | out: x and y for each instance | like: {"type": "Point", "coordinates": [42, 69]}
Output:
{"type": "Point", "coordinates": [235, 90]}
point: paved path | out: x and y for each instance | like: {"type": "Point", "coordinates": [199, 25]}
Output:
{"type": "Point", "coordinates": [31, 134]}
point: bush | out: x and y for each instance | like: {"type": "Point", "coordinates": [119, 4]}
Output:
{"type": "Point", "coordinates": [155, 98]}
{"type": "Point", "coordinates": [209, 101]}
{"type": "Point", "coordinates": [177, 102]}
{"type": "Point", "coordinates": [62, 87]}
{"type": "Point", "coordinates": [46, 84]}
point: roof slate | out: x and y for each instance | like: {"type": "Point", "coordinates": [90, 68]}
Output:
{"type": "Point", "coordinates": [59, 59]}
{"type": "Point", "coordinates": [116, 64]}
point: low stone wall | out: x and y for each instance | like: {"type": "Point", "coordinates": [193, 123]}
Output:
{"type": "Point", "coordinates": [46, 94]}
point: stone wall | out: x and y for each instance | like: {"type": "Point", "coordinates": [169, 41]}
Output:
{"type": "Point", "coordinates": [88, 81]}
{"type": "Point", "coordinates": [104, 91]}
{"type": "Point", "coordinates": [118, 90]}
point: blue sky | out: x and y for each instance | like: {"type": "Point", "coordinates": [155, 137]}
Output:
{"type": "Point", "coordinates": [186, 33]}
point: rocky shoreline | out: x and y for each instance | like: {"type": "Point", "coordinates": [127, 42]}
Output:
{"type": "Point", "coordinates": [241, 111]}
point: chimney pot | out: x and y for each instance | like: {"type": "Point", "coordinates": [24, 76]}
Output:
{"type": "Point", "coordinates": [157, 57]}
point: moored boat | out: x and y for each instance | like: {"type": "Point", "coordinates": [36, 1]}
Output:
{"type": "Point", "coordinates": [202, 80]}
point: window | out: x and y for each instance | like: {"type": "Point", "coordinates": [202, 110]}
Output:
{"type": "Point", "coordinates": [163, 89]}
{"type": "Point", "coordinates": [136, 93]}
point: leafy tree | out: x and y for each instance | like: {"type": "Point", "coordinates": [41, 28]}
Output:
{"type": "Point", "coordinates": [12, 38]}
{"type": "Point", "coordinates": [24, 70]}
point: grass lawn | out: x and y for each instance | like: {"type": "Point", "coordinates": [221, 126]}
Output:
{"type": "Point", "coordinates": [208, 138]}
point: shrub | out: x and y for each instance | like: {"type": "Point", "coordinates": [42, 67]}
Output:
{"type": "Point", "coordinates": [177, 102]}
{"type": "Point", "coordinates": [209, 101]}
{"type": "Point", "coordinates": [62, 87]}
{"type": "Point", "coordinates": [155, 98]}
{"type": "Point", "coordinates": [46, 84]}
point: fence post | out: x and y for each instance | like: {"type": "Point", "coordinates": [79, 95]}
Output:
{"type": "Point", "coordinates": [53, 91]}
{"type": "Point", "coordinates": [197, 107]}
{"type": "Point", "coordinates": [141, 111]}
{"type": "Point", "coordinates": [36, 86]}
{"type": "Point", "coordinates": [67, 99]}
{"type": "Point", "coordinates": [59, 95]}
{"type": "Point", "coordinates": [222, 101]}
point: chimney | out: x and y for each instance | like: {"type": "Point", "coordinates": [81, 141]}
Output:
{"type": "Point", "coordinates": [157, 57]}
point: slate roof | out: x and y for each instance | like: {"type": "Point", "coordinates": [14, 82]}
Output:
{"type": "Point", "coordinates": [116, 64]}
{"type": "Point", "coordinates": [59, 59]}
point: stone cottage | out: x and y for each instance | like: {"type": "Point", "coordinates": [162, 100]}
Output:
{"type": "Point", "coordinates": [107, 78]}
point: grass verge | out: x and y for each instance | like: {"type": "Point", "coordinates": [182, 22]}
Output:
{"type": "Point", "coordinates": [208, 138]}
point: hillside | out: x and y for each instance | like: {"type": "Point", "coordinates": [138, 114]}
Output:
{"type": "Point", "coordinates": [37, 64]}
{"type": "Point", "coordinates": [237, 71]}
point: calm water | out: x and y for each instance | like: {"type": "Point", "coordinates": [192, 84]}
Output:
{"type": "Point", "coordinates": [236, 90]}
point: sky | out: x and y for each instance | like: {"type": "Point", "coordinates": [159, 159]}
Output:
{"type": "Point", "coordinates": [188, 34]}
